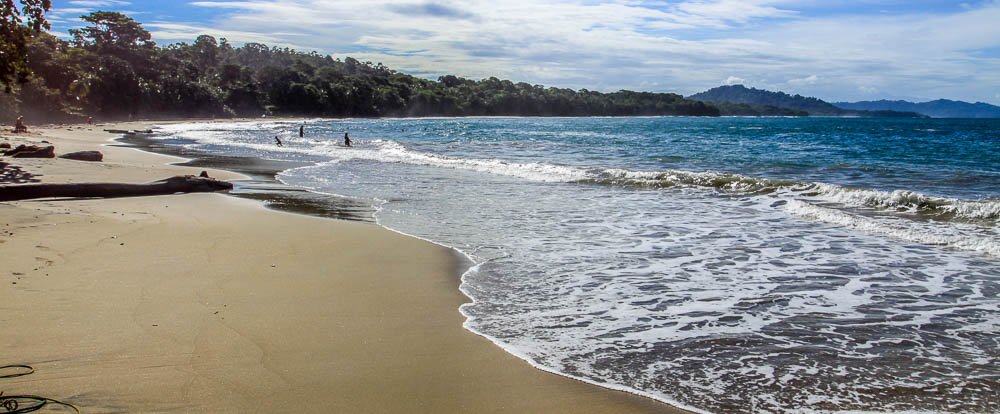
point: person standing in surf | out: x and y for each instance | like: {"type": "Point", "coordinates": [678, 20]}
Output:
{"type": "Point", "coordinates": [277, 141]}
{"type": "Point", "coordinates": [302, 131]}
{"type": "Point", "coordinates": [347, 140]}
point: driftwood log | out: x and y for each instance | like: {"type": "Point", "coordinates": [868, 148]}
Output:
{"type": "Point", "coordinates": [172, 185]}
{"type": "Point", "coordinates": [93, 156]}
{"type": "Point", "coordinates": [31, 151]}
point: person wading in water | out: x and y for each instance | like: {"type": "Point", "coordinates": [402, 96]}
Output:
{"type": "Point", "coordinates": [347, 140]}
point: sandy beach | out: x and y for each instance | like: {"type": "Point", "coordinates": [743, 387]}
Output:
{"type": "Point", "coordinates": [209, 303]}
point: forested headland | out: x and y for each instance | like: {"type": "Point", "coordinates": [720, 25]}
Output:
{"type": "Point", "coordinates": [939, 108]}
{"type": "Point", "coordinates": [112, 69]}
{"type": "Point", "coordinates": [743, 101]}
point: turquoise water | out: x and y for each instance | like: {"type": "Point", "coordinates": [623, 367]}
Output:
{"type": "Point", "coordinates": [725, 265]}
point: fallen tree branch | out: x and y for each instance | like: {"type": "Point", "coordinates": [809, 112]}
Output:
{"type": "Point", "coordinates": [172, 185]}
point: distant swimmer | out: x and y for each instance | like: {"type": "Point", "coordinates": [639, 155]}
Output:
{"type": "Point", "coordinates": [278, 141]}
{"type": "Point", "coordinates": [302, 131]}
{"type": "Point", "coordinates": [347, 140]}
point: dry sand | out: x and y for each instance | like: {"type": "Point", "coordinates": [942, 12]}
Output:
{"type": "Point", "coordinates": [209, 303]}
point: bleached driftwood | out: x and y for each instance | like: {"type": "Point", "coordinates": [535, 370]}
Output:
{"type": "Point", "coordinates": [172, 185]}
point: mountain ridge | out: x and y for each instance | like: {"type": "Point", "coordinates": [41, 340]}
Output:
{"type": "Point", "coordinates": [938, 108]}
{"type": "Point", "coordinates": [739, 100]}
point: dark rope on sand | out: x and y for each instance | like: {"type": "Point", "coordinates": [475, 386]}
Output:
{"type": "Point", "coordinates": [17, 404]}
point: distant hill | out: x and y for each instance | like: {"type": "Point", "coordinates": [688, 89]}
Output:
{"type": "Point", "coordinates": [740, 100]}
{"type": "Point", "coordinates": [941, 108]}
{"type": "Point", "coordinates": [739, 94]}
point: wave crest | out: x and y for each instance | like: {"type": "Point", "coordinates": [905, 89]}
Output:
{"type": "Point", "coordinates": [923, 234]}
{"type": "Point", "coordinates": [909, 201]}
{"type": "Point", "coordinates": [676, 178]}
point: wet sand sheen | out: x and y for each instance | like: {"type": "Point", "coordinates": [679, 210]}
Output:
{"type": "Point", "coordinates": [209, 303]}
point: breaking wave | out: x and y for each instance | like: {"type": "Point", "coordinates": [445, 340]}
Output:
{"type": "Point", "coordinates": [898, 201]}
{"type": "Point", "coordinates": [949, 236]}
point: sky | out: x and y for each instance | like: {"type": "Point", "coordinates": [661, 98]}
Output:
{"type": "Point", "coordinates": [835, 50]}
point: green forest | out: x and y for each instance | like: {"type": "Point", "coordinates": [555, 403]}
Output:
{"type": "Point", "coordinates": [743, 101]}
{"type": "Point", "coordinates": [112, 69]}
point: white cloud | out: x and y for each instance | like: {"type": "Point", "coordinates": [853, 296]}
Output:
{"type": "Point", "coordinates": [724, 12]}
{"type": "Point", "coordinates": [99, 3]}
{"type": "Point", "coordinates": [868, 90]}
{"type": "Point", "coordinates": [71, 10]}
{"type": "Point", "coordinates": [930, 56]}
{"type": "Point", "coordinates": [809, 80]}
{"type": "Point", "coordinates": [165, 33]}
{"type": "Point", "coordinates": [732, 80]}
{"type": "Point", "coordinates": [598, 45]}
{"type": "Point", "coordinates": [684, 47]}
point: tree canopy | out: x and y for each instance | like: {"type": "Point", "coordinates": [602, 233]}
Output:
{"type": "Point", "coordinates": [113, 69]}
{"type": "Point", "coordinates": [17, 24]}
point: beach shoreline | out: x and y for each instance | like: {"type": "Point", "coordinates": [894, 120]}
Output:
{"type": "Point", "coordinates": [209, 303]}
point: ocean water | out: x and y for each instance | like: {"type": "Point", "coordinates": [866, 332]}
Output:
{"type": "Point", "coordinates": [729, 265]}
